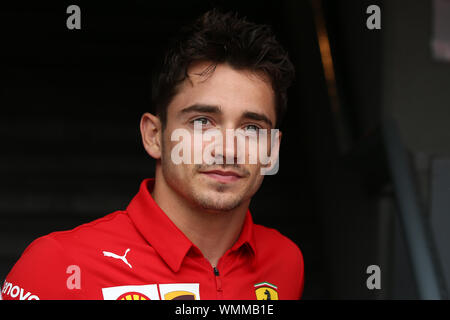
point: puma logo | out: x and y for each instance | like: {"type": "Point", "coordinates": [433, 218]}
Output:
{"type": "Point", "coordinates": [115, 256]}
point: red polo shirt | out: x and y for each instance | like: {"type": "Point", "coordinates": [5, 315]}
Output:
{"type": "Point", "coordinates": [140, 254]}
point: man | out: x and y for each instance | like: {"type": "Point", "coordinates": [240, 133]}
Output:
{"type": "Point", "coordinates": [188, 233]}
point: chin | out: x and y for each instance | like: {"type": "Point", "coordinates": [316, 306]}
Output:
{"type": "Point", "coordinates": [217, 200]}
{"type": "Point", "coordinates": [222, 207]}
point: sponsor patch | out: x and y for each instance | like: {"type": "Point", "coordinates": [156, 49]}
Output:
{"type": "Point", "coordinates": [266, 291]}
{"type": "Point", "coordinates": [133, 296]}
{"type": "Point", "coordinates": [16, 292]}
{"type": "Point", "coordinates": [143, 292]}
{"type": "Point", "coordinates": [180, 291]}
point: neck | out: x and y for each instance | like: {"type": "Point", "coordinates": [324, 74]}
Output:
{"type": "Point", "coordinates": [212, 232]}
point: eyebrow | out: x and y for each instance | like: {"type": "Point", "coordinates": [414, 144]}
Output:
{"type": "Point", "coordinates": [257, 117]}
{"type": "Point", "coordinates": [202, 108]}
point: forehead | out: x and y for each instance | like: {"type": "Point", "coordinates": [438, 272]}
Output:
{"type": "Point", "coordinates": [235, 91]}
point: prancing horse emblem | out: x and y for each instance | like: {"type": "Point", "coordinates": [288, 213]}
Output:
{"type": "Point", "coordinates": [266, 291]}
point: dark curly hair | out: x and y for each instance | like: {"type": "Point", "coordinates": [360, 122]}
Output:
{"type": "Point", "coordinates": [223, 38]}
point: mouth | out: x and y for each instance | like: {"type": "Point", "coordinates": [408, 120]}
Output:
{"type": "Point", "coordinates": [223, 176]}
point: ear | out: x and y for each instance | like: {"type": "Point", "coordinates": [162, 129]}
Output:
{"type": "Point", "coordinates": [151, 134]}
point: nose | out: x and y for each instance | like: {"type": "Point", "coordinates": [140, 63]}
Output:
{"type": "Point", "coordinates": [227, 153]}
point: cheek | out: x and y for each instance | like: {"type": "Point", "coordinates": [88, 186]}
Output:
{"type": "Point", "coordinates": [258, 150]}
{"type": "Point", "coordinates": [170, 168]}
{"type": "Point", "coordinates": [255, 178]}
{"type": "Point", "coordinates": [255, 182]}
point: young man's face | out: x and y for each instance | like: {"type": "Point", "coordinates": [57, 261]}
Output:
{"type": "Point", "coordinates": [225, 99]}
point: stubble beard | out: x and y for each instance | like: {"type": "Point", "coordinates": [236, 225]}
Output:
{"type": "Point", "coordinates": [218, 201]}
{"type": "Point", "coordinates": [214, 198]}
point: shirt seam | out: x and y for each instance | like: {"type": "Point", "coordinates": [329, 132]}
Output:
{"type": "Point", "coordinates": [110, 217]}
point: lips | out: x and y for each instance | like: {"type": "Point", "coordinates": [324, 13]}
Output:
{"type": "Point", "coordinates": [223, 176]}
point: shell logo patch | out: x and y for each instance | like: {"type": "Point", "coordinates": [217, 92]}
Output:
{"type": "Point", "coordinates": [266, 291]}
{"type": "Point", "coordinates": [140, 292]}
{"type": "Point", "coordinates": [133, 296]}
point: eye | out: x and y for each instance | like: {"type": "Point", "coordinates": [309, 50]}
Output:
{"type": "Point", "coordinates": [252, 127]}
{"type": "Point", "coordinates": [203, 121]}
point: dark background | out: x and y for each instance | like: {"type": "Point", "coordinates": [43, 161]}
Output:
{"type": "Point", "coordinates": [71, 102]}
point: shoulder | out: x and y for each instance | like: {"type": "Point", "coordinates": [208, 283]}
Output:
{"type": "Point", "coordinates": [74, 243]}
{"type": "Point", "coordinates": [41, 265]}
{"type": "Point", "coordinates": [43, 268]}
{"type": "Point", "coordinates": [103, 227]}
{"type": "Point", "coordinates": [271, 242]}
{"type": "Point", "coordinates": [286, 265]}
